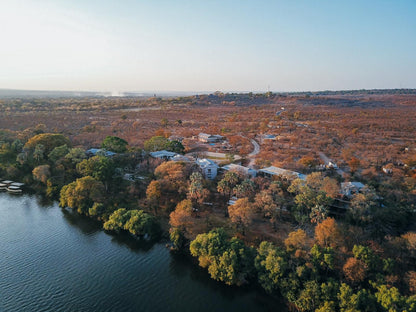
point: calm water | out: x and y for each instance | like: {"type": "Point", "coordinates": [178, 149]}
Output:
{"type": "Point", "coordinates": [52, 260]}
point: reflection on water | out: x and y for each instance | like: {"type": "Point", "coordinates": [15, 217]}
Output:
{"type": "Point", "coordinates": [55, 260]}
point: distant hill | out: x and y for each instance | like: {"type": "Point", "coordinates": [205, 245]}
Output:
{"type": "Point", "coordinates": [14, 93]}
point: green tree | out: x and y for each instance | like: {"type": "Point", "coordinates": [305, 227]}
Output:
{"type": "Point", "coordinates": [76, 155]}
{"type": "Point", "coordinates": [156, 143]}
{"type": "Point", "coordinates": [82, 194]}
{"type": "Point", "coordinates": [177, 238]}
{"type": "Point", "coordinates": [271, 265]}
{"type": "Point", "coordinates": [117, 220]}
{"type": "Point", "coordinates": [99, 167]}
{"type": "Point", "coordinates": [114, 144]}
{"type": "Point", "coordinates": [48, 140]}
{"type": "Point", "coordinates": [58, 153]}
{"type": "Point", "coordinates": [310, 297]}
{"type": "Point", "coordinates": [39, 152]}
{"type": "Point", "coordinates": [229, 261]}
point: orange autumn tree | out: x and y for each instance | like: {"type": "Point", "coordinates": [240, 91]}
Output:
{"type": "Point", "coordinates": [241, 213]}
{"type": "Point", "coordinates": [327, 233]}
{"type": "Point", "coordinates": [355, 270]}
{"type": "Point", "coordinates": [181, 217]}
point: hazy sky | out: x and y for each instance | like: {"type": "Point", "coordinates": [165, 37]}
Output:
{"type": "Point", "coordinates": [127, 45]}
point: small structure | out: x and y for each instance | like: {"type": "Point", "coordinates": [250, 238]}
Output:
{"type": "Point", "coordinates": [332, 165]}
{"type": "Point", "coordinates": [14, 189]}
{"type": "Point", "coordinates": [4, 184]}
{"type": "Point", "coordinates": [165, 155]}
{"type": "Point", "coordinates": [245, 170]}
{"type": "Point", "coordinates": [284, 173]}
{"type": "Point", "coordinates": [348, 189]}
{"type": "Point", "coordinates": [266, 137]}
{"type": "Point", "coordinates": [209, 168]}
{"type": "Point", "coordinates": [387, 170]}
{"type": "Point", "coordinates": [210, 138]}
{"type": "Point", "coordinates": [99, 151]}
{"type": "Point", "coordinates": [175, 138]}
{"type": "Point", "coordinates": [178, 157]}
{"type": "Point", "coordinates": [132, 177]}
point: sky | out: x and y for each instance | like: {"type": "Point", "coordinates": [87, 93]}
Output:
{"type": "Point", "coordinates": [209, 45]}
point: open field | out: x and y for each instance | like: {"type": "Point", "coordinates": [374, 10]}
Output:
{"type": "Point", "coordinates": [376, 129]}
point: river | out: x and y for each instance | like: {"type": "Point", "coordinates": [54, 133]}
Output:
{"type": "Point", "coordinates": [53, 260]}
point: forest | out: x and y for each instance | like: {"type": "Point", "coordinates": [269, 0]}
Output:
{"type": "Point", "coordinates": [307, 240]}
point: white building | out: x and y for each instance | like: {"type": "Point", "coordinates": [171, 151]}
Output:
{"type": "Point", "coordinates": [209, 168]}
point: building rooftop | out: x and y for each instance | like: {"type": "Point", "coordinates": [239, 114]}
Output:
{"type": "Point", "coordinates": [282, 172]}
{"type": "Point", "coordinates": [204, 162]}
{"type": "Point", "coordinates": [163, 154]}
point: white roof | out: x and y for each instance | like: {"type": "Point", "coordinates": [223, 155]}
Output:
{"type": "Point", "coordinates": [203, 163]}
{"type": "Point", "coordinates": [272, 170]}
{"type": "Point", "coordinates": [240, 168]}
{"type": "Point", "coordinates": [163, 154]}
{"type": "Point", "coordinates": [178, 157]}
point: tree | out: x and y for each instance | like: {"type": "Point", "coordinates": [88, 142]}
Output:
{"type": "Point", "coordinates": [362, 206]}
{"type": "Point", "coordinates": [227, 183]}
{"type": "Point", "coordinates": [355, 302]}
{"type": "Point", "coordinates": [235, 265]}
{"type": "Point", "coordinates": [318, 214]}
{"type": "Point", "coordinates": [39, 152]}
{"type": "Point", "coordinates": [309, 298]}
{"type": "Point", "coordinates": [355, 270]}
{"type": "Point", "coordinates": [209, 245]}
{"type": "Point", "coordinates": [271, 266]}
{"type": "Point", "coordinates": [141, 223]}
{"type": "Point", "coordinates": [114, 144]}
{"type": "Point", "coordinates": [241, 213]}
{"type": "Point", "coordinates": [100, 167]}
{"type": "Point", "coordinates": [175, 146]}
{"type": "Point", "coordinates": [327, 233]}
{"type": "Point", "coordinates": [196, 190]}
{"type": "Point", "coordinates": [137, 222]}
{"type": "Point", "coordinates": [172, 176]}
{"type": "Point", "coordinates": [246, 188]}
{"type": "Point", "coordinates": [153, 194]}
{"type": "Point", "coordinates": [156, 143]}
{"type": "Point", "coordinates": [354, 164]}
{"type": "Point", "coordinates": [164, 122]}
{"type": "Point", "coordinates": [42, 173]}
{"type": "Point", "coordinates": [82, 194]}
{"type": "Point", "coordinates": [229, 261]}
{"type": "Point", "coordinates": [314, 194]}
{"type": "Point", "coordinates": [58, 153]}
{"type": "Point", "coordinates": [296, 240]}
{"type": "Point", "coordinates": [390, 299]}
{"type": "Point", "coordinates": [76, 155]}
{"type": "Point", "coordinates": [48, 140]}
{"type": "Point", "coordinates": [177, 238]}
{"type": "Point", "coordinates": [117, 220]}
{"type": "Point", "coordinates": [181, 217]}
